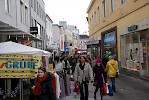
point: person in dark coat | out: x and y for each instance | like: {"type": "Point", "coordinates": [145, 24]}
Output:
{"type": "Point", "coordinates": [98, 71]}
{"type": "Point", "coordinates": [42, 88]}
{"type": "Point", "coordinates": [104, 63]}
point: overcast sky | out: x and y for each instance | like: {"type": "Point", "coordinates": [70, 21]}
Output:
{"type": "Point", "coordinates": [72, 11]}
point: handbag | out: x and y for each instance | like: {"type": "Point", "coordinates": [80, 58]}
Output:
{"type": "Point", "coordinates": [104, 89]}
{"type": "Point", "coordinates": [77, 90]}
{"type": "Point", "coordinates": [110, 90]}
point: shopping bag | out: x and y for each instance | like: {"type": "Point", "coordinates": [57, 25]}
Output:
{"type": "Point", "coordinates": [107, 90]}
{"type": "Point", "coordinates": [77, 90]}
{"type": "Point", "coordinates": [110, 90]}
{"type": "Point", "coordinates": [104, 89]}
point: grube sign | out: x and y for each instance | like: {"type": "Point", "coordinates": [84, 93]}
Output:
{"type": "Point", "coordinates": [34, 30]}
{"type": "Point", "coordinates": [19, 65]}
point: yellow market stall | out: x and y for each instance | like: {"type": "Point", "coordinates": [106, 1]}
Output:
{"type": "Point", "coordinates": [18, 64]}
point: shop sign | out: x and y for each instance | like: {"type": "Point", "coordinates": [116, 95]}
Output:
{"type": "Point", "coordinates": [132, 28]}
{"type": "Point", "coordinates": [19, 66]}
{"type": "Point", "coordinates": [110, 38]}
{"type": "Point", "coordinates": [51, 67]}
{"type": "Point", "coordinates": [93, 42]}
{"type": "Point", "coordinates": [34, 30]}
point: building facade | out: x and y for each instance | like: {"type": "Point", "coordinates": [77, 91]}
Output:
{"type": "Point", "coordinates": [37, 19]}
{"type": "Point", "coordinates": [14, 20]}
{"type": "Point", "coordinates": [68, 44]}
{"type": "Point", "coordinates": [123, 28]}
{"type": "Point", "coordinates": [49, 33]}
{"type": "Point", "coordinates": [56, 38]}
{"type": "Point", "coordinates": [83, 39]}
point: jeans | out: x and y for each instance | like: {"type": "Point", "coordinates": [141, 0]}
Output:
{"type": "Point", "coordinates": [113, 83]}
{"type": "Point", "coordinates": [83, 86]}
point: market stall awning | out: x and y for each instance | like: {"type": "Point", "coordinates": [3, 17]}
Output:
{"type": "Point", "coordinates": [16, 48]}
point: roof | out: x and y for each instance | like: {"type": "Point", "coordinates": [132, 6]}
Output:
{"type": "Point", "coordinates": [49, 18]}
{"type": "Point", "coordinates": [90, 5]}
{"type": "Point", "coordinates": [84, 36]}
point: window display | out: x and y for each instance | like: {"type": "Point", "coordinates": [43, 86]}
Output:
{"type": "Point", "coordinates": [134, 52]}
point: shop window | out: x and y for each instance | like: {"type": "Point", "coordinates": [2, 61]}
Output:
{"type": "Point", "coordinates": [135, 52]}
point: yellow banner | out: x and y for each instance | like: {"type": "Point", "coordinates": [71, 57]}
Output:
{"type": "Point", "coordinates": [19, 65]}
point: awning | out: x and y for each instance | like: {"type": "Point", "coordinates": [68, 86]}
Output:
{"type": "Point", "coordinates": [10, 31]}
{"type": "Point", "coordinates": [16, 48]}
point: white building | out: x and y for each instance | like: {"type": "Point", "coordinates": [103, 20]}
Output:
{"type": "Point", "coordinates": [49, 33]}
{"type": "Point", "coordinates": [37, 17]}
{"type": "Point", "coordinates": [56, 38]}
{"type": "Point", "coordinates": [83, 43]}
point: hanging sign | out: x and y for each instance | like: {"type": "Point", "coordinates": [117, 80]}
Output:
{"type": "Point", "coordinates": [19, 65]}
{"type": "Point", "coordinates": [51, 67]}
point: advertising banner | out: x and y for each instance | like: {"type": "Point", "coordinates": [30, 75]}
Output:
{"type": "Point", "coordinates": [110, 38]}
{"type": "Point", "coordinates": [19, 65]}
{"type": "Point", "coordinates": [62, 42]}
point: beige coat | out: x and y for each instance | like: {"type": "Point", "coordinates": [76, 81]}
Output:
{"type": "Point", "coordinates": [79, 75]}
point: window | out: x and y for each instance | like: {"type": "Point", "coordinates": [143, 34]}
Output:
{"type": "Point", "coordinates": [35, 5]}
{"type": "Point", "coordinates": [7, 6]}
{"type": "Point", "coordinates": [104, 8]}
{"type": "Point", "coordinates": [98, 13]}
{"type": "Point", "coordinates": [37, 8]}
{"type": "Point", "coordinates": [26, 15]}
{"type": "Point", "coordinates": [31, 3]}
{"type": "Point", "coordinates": [21, 11]}
{"type": "Point", "coordinates": [90, 23]}
{"type": "Point", "coordinates": [32, 22]}
{"type": "Point", "coordinates": [112, 5]}
{"type": "Point", "coordinates": [92, 20]}
{"type": "Point", "coordinates": [122, 2]}
{"type": "Point", "coordinates": [95, 17]}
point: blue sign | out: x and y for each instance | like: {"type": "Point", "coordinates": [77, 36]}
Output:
{"type": "Point", "coordinates": [66, 49]}
{"type": "Point", "coordinates": [110, 38]}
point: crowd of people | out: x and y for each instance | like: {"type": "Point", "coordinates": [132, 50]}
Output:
{"type": "Point", "coordinates": [84, 71]}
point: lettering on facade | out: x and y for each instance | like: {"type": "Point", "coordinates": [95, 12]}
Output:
{"type": "Point", "coordinates": [132, 28]}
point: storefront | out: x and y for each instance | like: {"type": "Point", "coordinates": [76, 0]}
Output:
{"type": "Point", "coordinates": [94, 48]}
{"type": "Point", "coordinates": [109, 42]}
{"type": "Point", "coordinates": [135, 48]}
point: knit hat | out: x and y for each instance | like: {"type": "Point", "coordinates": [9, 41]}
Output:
{"type": "Point", "coordinates": [98, 60]}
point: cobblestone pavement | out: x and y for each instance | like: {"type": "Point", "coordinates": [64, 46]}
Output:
{"type": "Point", "coordinates": [128, 88]}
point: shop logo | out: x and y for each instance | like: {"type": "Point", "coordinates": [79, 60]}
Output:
{"type": "Point", "coordinates": [2, 65]}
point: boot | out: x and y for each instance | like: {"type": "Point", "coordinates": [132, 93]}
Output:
{"type": "Point", "coordinates": [95, 97]}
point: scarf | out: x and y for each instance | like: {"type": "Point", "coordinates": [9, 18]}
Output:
{"type": "Point", "coordinates": [38, 87]}
{"type": "Point", "coordinates": [82, 66]}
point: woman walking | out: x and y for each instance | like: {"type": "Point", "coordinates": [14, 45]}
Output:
{"type": "Point", "coordinates": [83, 74]}
{"type": "Point", "coordinates": [42, 88]}
{"type": "Point", "coordinates": [111, 69]}
{"type": "Point", "coordinates": [98, 71]}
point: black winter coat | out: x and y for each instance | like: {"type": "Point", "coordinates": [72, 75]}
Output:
{"type": "Point", "coordinates": [47, 92]}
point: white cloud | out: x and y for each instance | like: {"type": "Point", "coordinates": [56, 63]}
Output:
{"type": "Point", "coordinates": [72, 11]}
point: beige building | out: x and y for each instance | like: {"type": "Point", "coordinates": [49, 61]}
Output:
{"type": "Point", "coordinates": [68, 41]}
{"type": "Point", "coordinates": [123, 27]}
